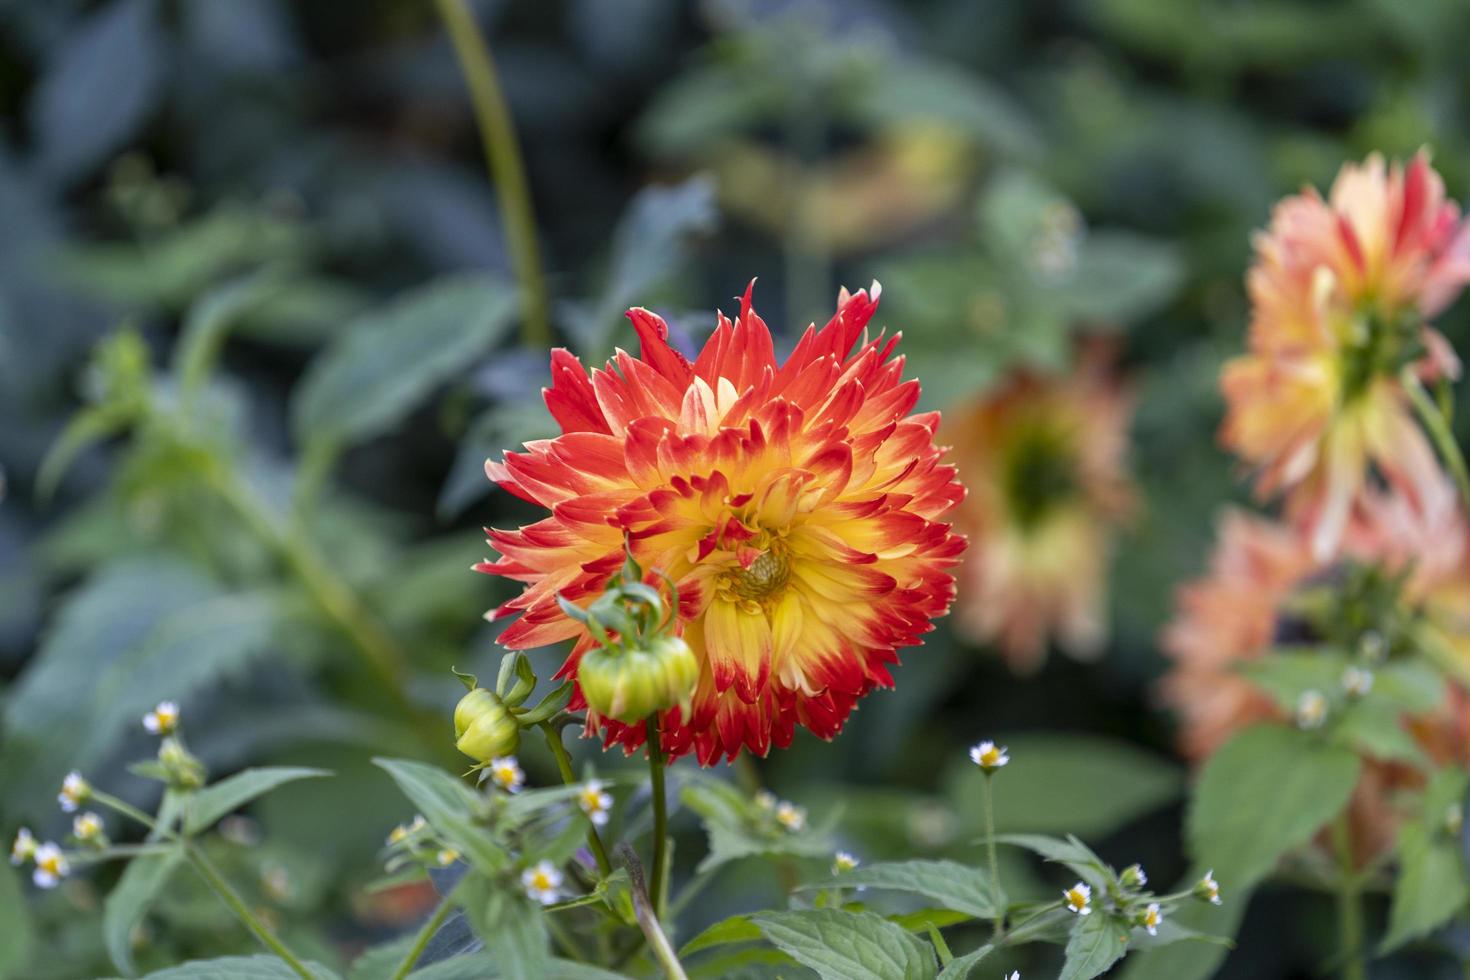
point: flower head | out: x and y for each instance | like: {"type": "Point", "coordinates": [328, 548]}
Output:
{"type": "Point", "coordinates": [595, 801]}
{"type": "Point", "coordinates": [843, 862]}
{"type": "Point", "coordinates": [1151, 918]}
{"type": "Point", "coordinates": [1340, 290]}
{"type": "Point", "coordinates": [1013, 975]}
{"type": "Point", "coordinates": [163, 719]}
{"type": "Point", "coordinates": [51, 866]}
{"type": "Point", "coordinates": [798, 507]}
{"type": "Point", "coordinates": [87, 828]}
{"type": "Point", "coordinates": [507, 774]}
{"type": "Point", "coordinates": [1207, 888]}
{"type": "Point", "coordinates": [1133, 876]}
{"type": "Point", "coordinates": [790, 816]}
{"type": "Point", "coordinates": [1043, 458]}
{"type": "Point", "coordinates": [765, 800]}
{"type": "Point", "coordinates": [24, 847]}
{"type": "Point", "coordinates": [403, 832]}
{"type": "Point", "coordinates": [542, 882]}
{"type": "Point", "coordinates": [446, 856]}
{"type": "Point", "coordinates": [989, 756]}
{"type": "Point", "coordinates": [1311, 710]}
{"type": "Point", "coordinates": [1357, 682]}
{"type": "Point", "coordinates": [74, 792]}
{"type": "Point", "coordinates": [1079, 899]}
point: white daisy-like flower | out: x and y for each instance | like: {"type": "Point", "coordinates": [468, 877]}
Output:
{"type": "Point", "coordinates": [595, 801]}
{"type": "Point", "coordinates": [51, 866]}
{"type": "Point", "coordinates": [1013, 975]}
{"type": "Point", "coordinates": [1311, 710]}
{"type": "Point", "coordinates": [24, 847]}
{"type": "Point", "coordinates": [74, 792]}
{"type": "Point", "coordinates": [87, 827]}
{"type": "Point", "coordinates": [1133, 876]}
{"type": "Point", "coordinates": [765, 799]}
{"type": "Point", "coordinates": [163, 719]}
{"type": "Point", "coordinates": [843, 861]}
{"type": "Point", "coordinates": [506, 773]}
{"type": "Point", "coordinates": [403, 832]}
{"type": "Point", "coordinates": [1150, 918]}
{"type": "Point", "coordinates": [1079, 899]}
{"type": "Point", "coordinates": [1208, 888]}
{"type": "Point", "coordinates": [1357, 682]}
{"type": "Point", "coordinates": [1371, 646]}
{"type": "Point", "coordinates": [446, 857]}
{"type": "Point", "coordinates": [989, 756]}
{"type": "Point", "coordinates": [542, 882]}
{"type": "Point", "coordinates": [790, 816]}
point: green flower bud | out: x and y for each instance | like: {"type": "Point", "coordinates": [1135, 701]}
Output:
{"type": "Point", "coordinates": [630, 685]}
{"type": "Point", "coordinates": [184, 770]}
{"type": "Point", "coordinates": [484, 728]}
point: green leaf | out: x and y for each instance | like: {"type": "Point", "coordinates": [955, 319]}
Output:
{"type": "Point", "coordinates": [1431, 887]}
{"type": "Point", "coordinates": [1413, 684]}
{"type": "Point", "coordinates": [1070, 852]}
{"type": "Point", "coordinates": [649, 242]}
{"type": "Point", "coordinates": [228, 795]}
{"type": "Point", "coordinates": [208, 323]}
{"type": "Point", "coordinates": [1190, 960]}
{"type": "Point", "coordinates": [730, 821]}
{"type": "Point", "coordinates": [260, 967]}
{"type": "Point", "coordinates": [908, 88]}
{"type": "Point", "coordinates": [389, 360]}
{"type": "Point", "coordinates": [16, 936]}
{"type": "Point", "coordinates": [1376, 729]}
{"type": "Point", "coordinates": [1120, 277]}
{"type": "Point", "coordinates": [450, 807]}
{"type": "Point", "coordinates": [961, 967]}
{"type": "Point", "coordinates": [736, 929]}
{"type": "Point", "coordinates": [128, 902]}
{"type": "Point", "coordinates": [1097, 942]}
{"type": "Point", "coordinates": [85, 429]}
{"type": "Point", "coordinates": [513, 929]}
{"type": "Point", "coordinates": [949, 883]}
{"type": "Point", "coordinates": [1266, 792]}
{"type": "Point", "coordinates": [1287, 674]}
{"type": "Point", "coordinates": [848, 945]}
{"type": "Point", "coordinates": [1119, 782]}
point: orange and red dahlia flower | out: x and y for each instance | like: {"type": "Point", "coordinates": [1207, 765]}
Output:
{"type": "Point", "coordinates": [1340, 292]}
{"type": "Point", "coordinates": [1044, 461]}
{"type": "Point", "coordinates": [799, 507]}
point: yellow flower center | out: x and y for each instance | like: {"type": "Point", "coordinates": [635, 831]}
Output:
{"type": "Point", "coordinates": [540, 881]}
{"type": "Point", "coordinates": [50, 863]}
{"type": "Point", "coordinates": [1151, 917]}
{"type": "Point", "coordinates": [591, 800]}
{"type": "Point", "coordinates": [1076, 899]}
{"type": "Point", "coordinates": [764, 579]}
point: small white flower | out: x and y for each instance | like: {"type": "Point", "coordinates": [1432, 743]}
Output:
{"type": "Point", "coordinates": [506, 772]}
{"type": "Point", "coordinates": [1454, 819]}
{"type": "Point", "coordinates": [792, 817]}
{"type": "Point", "coordinates": [542, 882]}
{"type": "Point", "coordinates": [446, 857]}
{"type": "Point", "coordinates": [24, 847]}
{"type": "Point", "coordinates": [1371, 646]}
{"type": "Point", "coordinates": [1133, 876]}
{"type": "Point", "coordinates": [989, 756]}
{"type": "Point", "coordinates": [595, 801]}
{"type": "Point", "coordinates": [403, 832]}
{"type": "Point", "coordinates": [163, 719]}
{"type": "Point", "coordinates": [51, 866]}
{"type": "Point", "coordinates": [276, 881]}
{"type": "Point", "coordinates": [1311, 710]}
{"type": "Point", "coordinates": [1208, 888]}
{"type": "Point", "coordinates": [1151, 918]}
{"type": "Point", "coordinates": [765, 799]}
{"type": "Point", "coordinates": [1079, 898]}
{"type": "Point", "coordinates": [1357, 682]}
{"type": "Point", "coordinates": [74, 792]}
{"type": "Point", "coordinates": [843, 861]}
{"type": "Point", "coordinates": [87, 827]}
{"type": "Point", "coordinates": [1013, 975]}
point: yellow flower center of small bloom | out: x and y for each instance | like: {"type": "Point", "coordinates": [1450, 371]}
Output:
{"type": "Point", "coordinates": [764, 579]}
{"type": "Point", "coordinates": [990, 757]}
{"type": "Point", "coordinates": [1076, 899]}
{"type": "Point", "coordinates": [1151, 917]}
{"type": "Point", "coordinates": [540, 881]}
{"type": "Point", "coordinates": [50, 863]}
{"type": "Point", "coordinates": [592, 800]}
{"type": "Point", "coordinates": [505, 775]}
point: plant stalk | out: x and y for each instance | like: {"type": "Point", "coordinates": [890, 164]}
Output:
{"type": "Point", "coordinates": [658, 943]}
{"type": "Point", "coordinates": [421, 940]}
{"type": "Point", "coordinates": [232, 898]}
{"type": "Point", "coordinates": [1000, 912]}
{"type": "Point", "coordinates": [503, 154]}
{"type": "Point", "coordinates": [660, 812]}
{"type": "Point", "coordinates": [564, 763]}
{"type": "Point", "coordinates": [1349, 903]}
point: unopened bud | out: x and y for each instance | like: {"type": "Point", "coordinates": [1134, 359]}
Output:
{"type": "Point", "coordinates": [1133, 876]}
{"type": "Point", "coordinates": [630, 685]}
{"type": "Point", "coordinates": [184, 770]}
{"type": "Point", "coordinates": [484, 728]}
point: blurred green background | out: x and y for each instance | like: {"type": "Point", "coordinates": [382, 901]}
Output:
{"type": "Point", "coordinates": [277, 218]}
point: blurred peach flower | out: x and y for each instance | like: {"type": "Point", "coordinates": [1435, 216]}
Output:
{"type": "Point", "coordinates": [1340, 291]}
{"type": "Point", "coordinates": [1044, 459]}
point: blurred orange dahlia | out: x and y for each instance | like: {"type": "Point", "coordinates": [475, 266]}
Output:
{"type": "Point", "coordinates": [1044, 461]}
{"type": "Point", "coordinates": [799, 507]}
{"type": "Point", "coordinates": [1340, 292]}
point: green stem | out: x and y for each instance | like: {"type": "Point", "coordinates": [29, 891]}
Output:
{"type": "Point", "coordinates": [643, 908]}
{"type": "Point", "coordinates": [1439, 431]}
{"type": "Point", "coordinates": [564, 763]}
{"type": "Point", "coordinates": [660, 812]}
{"type": "Point", "coordinates": [503, 153]}
{"type": "Point", "coordinates": [1000, 912]}
{"type": "Point", "coordinates": [421, 940]}
{"type": "Point", "coordinates": [123, 807]}
{"type": "Point", "coordinates": [230, 897]}
{"type": "Point", "coordinates": [1349, 906]}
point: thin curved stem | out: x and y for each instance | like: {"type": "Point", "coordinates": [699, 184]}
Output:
{"type": "Point", "coordinates": [1438, 425]}
{"type": "Point", "coordinates": [124, 808]}
{"type": "Point", "coordinates": [503, 154]}
{"type": "Point", "coordinates": [564, 763]}
{"type": "Point", "coordinates": [421, 939]}
{"type": "Point", "coordinates": [660, 813]}
{"type": "Point", "coordinates": [1000, 912]}
{"type": "Point", "coordinates": [1349, 905]}
{"type": "Point", "coordinates": [232, 898]}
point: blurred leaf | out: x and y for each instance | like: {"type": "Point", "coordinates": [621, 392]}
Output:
{"type": "Point", "coordinates": [449, 806]}
{"type": "Point", "coordinates": [1377, 730]}
{"type": "Point", "coordinates": [1431, 887]}
{"type": "Point", "coordinates": [697, 109]}
{"type": "Point", "coordinates": [17, 939]}
{"type": "Point", "coordinates": [848, 945]}
{"type": "Point", "coordinates": [1098, 941]}
{"type": "Point", "coordinates": [239, 968]}
{"type": "Point", "coordinates": [100, 86]}
{"type": "Point", "coordinates": [514, 931]}
{"type": "Point", "coordinates": [911, 87]}
{"type": "Point", "coordinates": [949, 883]}
{"type": "Point", "coordinates": [129, 901]}
{"type": "Point", "coordinates": [730, 822]}
{"type": "Point", "coordinates": [1267, 791]}
{"type": "Point", "coordinates": [85, 429]}
{"type": "Point", "coordinates": [499, 428]}
{"type": "Point", "coordinates": [1037, 794]}
{"type": "Point", "coordinates": [390, 359]}
{"type": "Point", "coordinates": [208, 323]}
{"type": "Point", "coordinates": [1288, 674]}
{"type": "Point", "coordinates": [1120, 277]}
{"type": "Point", "coordinates": [229, 794]}
{"type": "Point", "coordinates": [303, 312]}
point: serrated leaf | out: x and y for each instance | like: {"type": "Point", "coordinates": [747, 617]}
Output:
{"type": "Point", "coordinates": [735, 929]}
{"type": "Point", "coordinates": [209, 804]}
{"type": "Point", "coordinates": [951, 884]}
{"type": "Point", "coordinates": [129, 901]}
{"type": "Point", "coordinates": [1376, 729]}
{"type": "Point", "coordinates": [239, 968]}
{"type": "Point", "coordinates": [1287, 674]}
{"type": "Point", "coordinates": [449, 806]}
{"type": "Point", "coordinates": [843, 945]}
{"type": "Point", "coordinates": [1098, 941]}
{"type": "Point", "coordinates": [1070, 852]}
{"type": "Point", "coordinates": [1266, 792]}
{"type": "Point", "coordinates": [1432, 885]}
{"type": "Point", "coordinates": [390, 359]}
{"type": "Point", "coordinates": [962, 967]}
